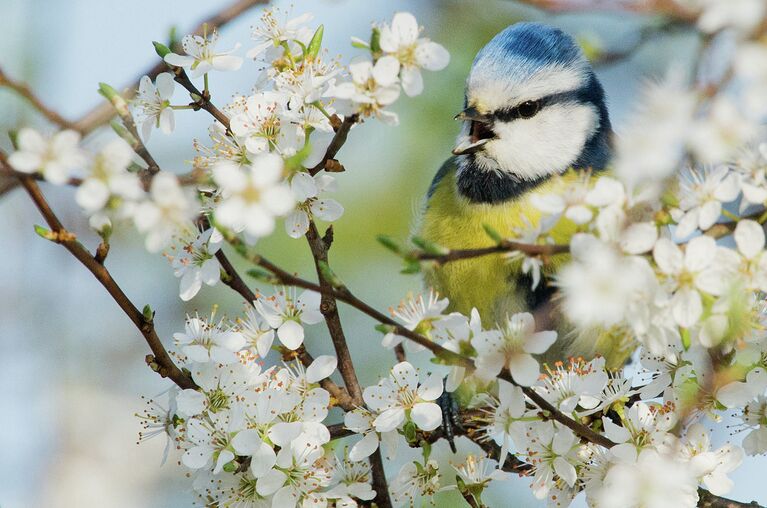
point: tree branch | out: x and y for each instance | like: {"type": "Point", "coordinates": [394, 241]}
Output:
{"type": "Point", "coordinates": [665, 7]}
{"type": "Point", "coordinates": [342, 129]}
{"type": "Point", "coordinates": [26, 92]}
{"type": "Point", "coordinates": [101, 114]}
{"type": "Point", "coordinates": [160, 360]}
{"type": "Point", "coordinates": [505, 246]}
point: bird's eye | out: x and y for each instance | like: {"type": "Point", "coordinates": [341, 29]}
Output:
{"type": "Point", "coordinates": [529, 109]}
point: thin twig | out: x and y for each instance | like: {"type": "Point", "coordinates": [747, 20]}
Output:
{"type": "Point", "coordinates": [505, 246]}
{"type": "Point", "coordinates": [26, 92]}
{"type": "Point", "coordinates": [101, 114]}
{"type": "Point", "coordinates": [664, 7]}
{"type": "Point", "coordinates": [342, 132]}
{"type": "Point", "coordinates": [233, 279]}
{"type": "Point", "coordinates": [160, 360]}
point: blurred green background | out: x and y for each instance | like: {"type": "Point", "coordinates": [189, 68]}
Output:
{"type": "Point", "coordinates": [72, 365]}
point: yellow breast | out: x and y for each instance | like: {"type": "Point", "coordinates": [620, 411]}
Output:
{"type": "Point", "coordinates": [488, 283]}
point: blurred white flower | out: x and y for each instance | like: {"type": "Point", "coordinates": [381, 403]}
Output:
{"type": "Point", "coordinates": [109, 179]}
{"type": "Point", "coordinates": [718, 136]}
{"type": "Point", "coordinates": [652, 143]}
{"type": "Point", "coordinates": [306, 190]}
{"type": "Point", "coordinates": [152, 104]}
{"type": "Point", "coordinates": [751, 165]}
{"type": "Point", "coordinates": [399, 397]}
{"type": "Point", "coordinates": [654, 480]}
{"type": "Point", "coordinates": [253, 196]}
{"type": "Point", "coordinates": [401, 43]}
{"type": "Point", "coordinates": [603, 287]}
{"type": "Point", "coordinates": [742, 15]}
{"type": "Point", "coordinates": [572, 202]}
{"type": "Point", "coordinates": [201, 56]}
{"type": "Point", "coordinates": [166, 210]}
{"type": "Point", "coordinates": [512, 347]}
{"type": "Point", "coordinates": [56, 158]}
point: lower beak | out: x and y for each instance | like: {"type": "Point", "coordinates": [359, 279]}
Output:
{"type": "Point", "coordinates": [468, 147]}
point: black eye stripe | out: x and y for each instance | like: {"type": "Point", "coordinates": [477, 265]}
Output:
{"type": "Point", "coordinates": [510, 114]}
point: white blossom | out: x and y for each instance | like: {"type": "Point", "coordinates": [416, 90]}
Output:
{"type": "Point", "coordinates": [415, 481]}
{"type": "Point", "coordinates": [208, 340]}
{"type": "Point", "coordinates": [109, 180]}
{"type": "Point", "coordinates": [373, 87]}
{"type": "Point", "coordinates": [306, 190]}
{"type": "Point", "coordinates": [166, 210]}
{"type": "Point", "coordinates": [701, 196]}
{"type": "Point", "coordinates": [152, 104]}
{"type": "Point", "coordinates": [513, 347]}
{"type": "Point", "coordinates": [252, 196]}
{"type": "Point", "coordinates": [195, 263]}
{"type": "Point", "coordinates": [402, 396]}
{"type": "Point", "coordinates": [55, 158]}
{"type": "Point", "coordinates": [410, 53]}
{"type": "Point", "coordinates": [201, 55]}
{"type": "Point", "coordinates": [286, 312]}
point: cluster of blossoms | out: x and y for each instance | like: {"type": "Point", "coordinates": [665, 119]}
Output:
{"type": "Point", "coordinates": [646, 276]}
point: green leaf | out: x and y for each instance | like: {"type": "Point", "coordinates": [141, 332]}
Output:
{"type": "Point", "coordinates": [429, 247]}
{"type": "Point", "coordinates": [409, 429]}
{"type": "Point", "coordinates": [44, 232]}
{"type": "Point", "coordinates": [148, 313]}
{"type": "Point", "coordinates": [686, 339]}
{"type": "Point", "coordinates": [161, 49]}
{"type": "Point", "coordinates": [13, 135]}
{"type": "Point", "coordinates": [492, 233]}
{"type": "Point", "coordinates": [121, 131]}
{"type": "Point", "coordinates": [316, 43]}
{"type": "Point", "coordinates": [230, 467]}
{"type": "Point", "coordinates": [411, 266]}
{"type": "Point", "coordinates": [329, 275]}
{"type": "Point", "coordinates": [262, 275]}
{"type": "Point", "coordinates": [390, 243]}
{"type": "Point", "coordinates": [117, 100]}
{"type": "Point", "coordinates": [375, 41]}
{"type": "Point", "coordinates": [385, 328]}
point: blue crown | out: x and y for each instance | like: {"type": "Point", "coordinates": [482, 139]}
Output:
{"type": "Point", "coordinates": [524, 48]}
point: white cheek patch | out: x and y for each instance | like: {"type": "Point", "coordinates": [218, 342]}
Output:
{"type": "Point", "coordinates": [491, 94]}
{"type": "Point", "coordinates": [545, 144]}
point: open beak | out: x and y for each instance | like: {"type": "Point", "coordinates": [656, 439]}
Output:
{"type": "Point", "coordinates": [480, 131]}
{"type": "Point", "coordinates": [472, 115]}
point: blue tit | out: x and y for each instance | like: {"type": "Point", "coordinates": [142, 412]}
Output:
{"type": "Point", "coordinates": [534, 109]}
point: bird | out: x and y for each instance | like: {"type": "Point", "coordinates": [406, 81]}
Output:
{"type": "Point", "coordinates": [534, 109]}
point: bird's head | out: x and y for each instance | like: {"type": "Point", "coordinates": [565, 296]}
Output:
{"type": "Point", "coordinates": [533, 107]}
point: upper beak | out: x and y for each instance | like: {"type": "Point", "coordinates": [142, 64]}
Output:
{"type": "Point", "coordinates": [472, 145]}
{"type": "Point", "coordinates": [471, 114]}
